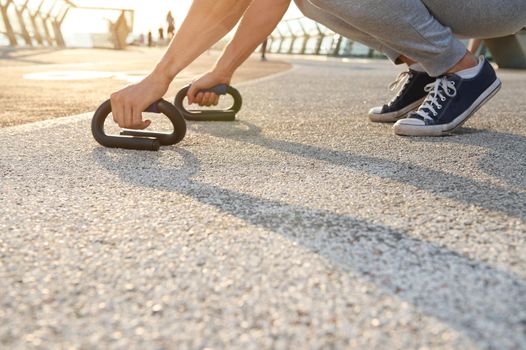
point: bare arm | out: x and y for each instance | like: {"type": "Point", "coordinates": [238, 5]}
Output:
{"type": "Point", "coordinates": [257, 24]}
{"type": "Point", "coordinates": [206, 23]}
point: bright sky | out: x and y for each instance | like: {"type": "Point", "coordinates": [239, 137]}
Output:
{"type": "Point", "coordinates": [149, 15]}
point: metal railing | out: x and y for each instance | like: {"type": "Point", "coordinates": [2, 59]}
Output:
{"type": "Point", "coordinates": [39, 23]}
{"type": "Point", "coordinates": [33, 23]}
{"type": "Point", "coordinates": [307, 37]}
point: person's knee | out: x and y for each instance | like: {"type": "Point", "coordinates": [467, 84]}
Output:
{"type": "Point", "coordinates": [326, 5]}
{"type": "Point", "coordinates": [312, 6]}
{"type": "Point", "coordinates": [351, 11]}
{"type": "Point", "coordinates": [316, 9]}
{"type": "Point", "coordinates": [306, 8]}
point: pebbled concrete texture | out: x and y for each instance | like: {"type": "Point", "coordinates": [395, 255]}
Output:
{"type": "Point", "coordinates": [299, 226]}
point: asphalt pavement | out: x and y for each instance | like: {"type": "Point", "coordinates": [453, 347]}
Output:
{"type": "Point", "coordinates": [299, 226]}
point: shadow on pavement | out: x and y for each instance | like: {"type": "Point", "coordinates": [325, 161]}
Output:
{"type": "Point", "coordinates": [506, 159]}
{"type": "Point", "coordinates": [438, 183]}
{"type": "Point", "coordinates": [437, 281]}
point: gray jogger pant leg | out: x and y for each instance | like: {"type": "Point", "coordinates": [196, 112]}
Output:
{"type": "Point", "coordinates": [422, 30]}
{"type": "Point", "coordinates": [339, 26]}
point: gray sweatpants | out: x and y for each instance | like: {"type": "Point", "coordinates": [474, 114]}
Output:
{"type": "Point", "coordinates": [425, 31]}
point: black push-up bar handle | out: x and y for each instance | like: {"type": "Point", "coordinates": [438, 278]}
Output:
{"type": "Point", "coordinates": [228, 114]}
{"type": "Point", "coordinates": [141, 140]}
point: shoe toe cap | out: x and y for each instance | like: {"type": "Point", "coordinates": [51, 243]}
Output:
{"type": "Point", "coordinates": [376, 110]}
{"type": "Point", "coordinates": [411, 121]}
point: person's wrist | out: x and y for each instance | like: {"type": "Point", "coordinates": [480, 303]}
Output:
{"type": "Point", "coordinates": [165, 73]}
{"type": "Point", "coordinates": [224, 75]}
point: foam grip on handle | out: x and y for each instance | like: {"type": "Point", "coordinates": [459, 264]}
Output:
{"type": "Point", "coordinates": [142, 140]}
{"type": "Point", "coordinates": [228, 114]}
{"type": "Point", "coordinates": [153, 108]}
{"type": "Point", "coordinates": [221, 89]}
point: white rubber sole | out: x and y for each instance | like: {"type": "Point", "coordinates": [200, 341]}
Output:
{"type": "Point", "coordinates": [395, 116]}
{"type": "Point", "coordinates": [402, 129]}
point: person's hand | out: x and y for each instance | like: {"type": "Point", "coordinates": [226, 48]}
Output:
{"type": "Point", "coordinates": [206, 81]}
{"type": "Point", "coordinates": [128, 104]}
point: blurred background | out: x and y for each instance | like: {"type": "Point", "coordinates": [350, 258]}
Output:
{"type": "Point", "coordinates": [118, 24]}
{"type": "Point", "coordinates": [88, 23]}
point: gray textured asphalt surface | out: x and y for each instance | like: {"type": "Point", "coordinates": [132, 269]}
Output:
{"type": "Point", "coordinates": [299, 226]}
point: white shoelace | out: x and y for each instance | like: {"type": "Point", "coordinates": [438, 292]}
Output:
{"type": "Point", "coordinates": [402, 78]}
{"type": "Point", "coordinates": [438, 92]}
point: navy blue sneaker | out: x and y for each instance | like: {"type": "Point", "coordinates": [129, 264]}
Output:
{"type": "Point", "coordinates": [451, 100]}
{"type": "Point", "coordinates": [409, 97]}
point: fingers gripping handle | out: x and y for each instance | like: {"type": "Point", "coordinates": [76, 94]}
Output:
{"type": "Point", "coordinates": [218, 89]}
{"type": "Point", "coordinates": [142, 140]}
{"type": "Point", "coordinates": [228, 114]}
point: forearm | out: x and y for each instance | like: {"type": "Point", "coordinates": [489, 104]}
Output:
{"type": "Point", "coordinates": [257, 24]}
{"type": "Point", "coordinates": [206, 23]}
